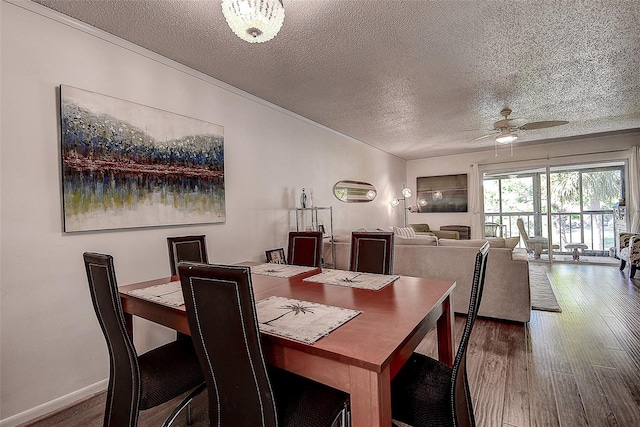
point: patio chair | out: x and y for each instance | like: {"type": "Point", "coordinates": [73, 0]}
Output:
{"type": "Point", "coordinates": [534, 244]}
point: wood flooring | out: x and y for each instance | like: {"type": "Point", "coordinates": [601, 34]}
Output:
{"type": "Point", "coordinates": [580, 367]}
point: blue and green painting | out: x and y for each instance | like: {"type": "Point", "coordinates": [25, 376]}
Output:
{"type": "Point", "coordinates": [128, 165]}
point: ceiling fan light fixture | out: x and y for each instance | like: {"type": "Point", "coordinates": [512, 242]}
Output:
{"type": "Point", "coordinates": [254, 21]}
{"type": "Point", "coordinates": [506, 137]}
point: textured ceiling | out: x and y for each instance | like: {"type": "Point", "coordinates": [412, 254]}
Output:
{"type": "Point", "coordinates": [413, 78]}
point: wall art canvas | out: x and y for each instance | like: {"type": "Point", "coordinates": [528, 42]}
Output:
{"type": "Point", "coordinates": [445, 193]}
{"type": "Point", "coordinates": [127, 165]}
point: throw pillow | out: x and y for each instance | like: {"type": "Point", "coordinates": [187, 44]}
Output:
{"type": "Point", "coordinates": [420, 228]}
{"type": "Point", "coordinates": [406, 232]}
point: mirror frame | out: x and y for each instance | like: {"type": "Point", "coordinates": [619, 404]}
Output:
{"type": "Point", "coordinates": [349, 191]}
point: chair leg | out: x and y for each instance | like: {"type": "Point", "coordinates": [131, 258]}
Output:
{"type": "Point", "coordinates": [186, 402]}
{"type": "Point", "coordinates": [623, 263]}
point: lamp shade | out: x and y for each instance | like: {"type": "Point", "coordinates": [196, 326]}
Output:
{"type": "Point", "coordinates": [406, 192]}
{"type": "Point", "coordinates": [254, 21]}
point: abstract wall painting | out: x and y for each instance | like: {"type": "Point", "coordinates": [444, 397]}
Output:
{"type": "Point", "coordinates": [127, 165]}
{"type": "Point", "coordinates": [445, 193]}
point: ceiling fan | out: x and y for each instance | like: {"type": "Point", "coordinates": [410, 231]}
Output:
{"type": "Point", "coordinates": [506, 129]}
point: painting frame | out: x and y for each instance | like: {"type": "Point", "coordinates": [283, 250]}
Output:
{"type": "Point", "coordinates": [442, 193]}
{"type": "Point", "coordinates": [126, 165]}
{"type": "Point", "coordinates": [275, 256]}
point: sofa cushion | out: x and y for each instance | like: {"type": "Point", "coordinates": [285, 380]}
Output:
{"type": "Point", "coordinates": [418, 240]}
{"type": "Point", "coordinates": [473, 243]}
{"type": "Point", "coordinates": [420, 228]}
{"type": "Point", "coordinates": [404, 232]}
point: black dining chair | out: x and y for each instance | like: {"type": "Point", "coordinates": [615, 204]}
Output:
{"type": "Point", "coordinates": [243, 391]}
{"type": "Point", "coordinates": [426, 392]}
{"type": "Point", "coordinates": [372, 252]}
{"type": "Point", "coordinates": [137, 382]}
{"type": "Point", "coordinates": [305, 248]}
{"type": "Point", "coordinates": [186, 248]}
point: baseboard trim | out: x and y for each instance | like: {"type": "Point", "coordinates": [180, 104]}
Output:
{"type": "Point", "coordinates": [55, 404]}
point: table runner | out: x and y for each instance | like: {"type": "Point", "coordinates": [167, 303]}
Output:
{"type": "Point", "coordinates": [353, 279]}
{"type": "Point", "coordinates": [280, 270]}
{"type": "Point", "coordinates": [300, 320]}
{"type": "Point", "coordinates": [167, 294]}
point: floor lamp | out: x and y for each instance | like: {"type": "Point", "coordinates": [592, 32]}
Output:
{"type": "Point", "coordinates": [406, 193]}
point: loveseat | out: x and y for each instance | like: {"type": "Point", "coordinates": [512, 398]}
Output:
{"type": "Point", "coordinates": [506, 292]}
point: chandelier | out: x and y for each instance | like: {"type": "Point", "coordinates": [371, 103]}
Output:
{"type": "Point", "coordinates": [254, 21]}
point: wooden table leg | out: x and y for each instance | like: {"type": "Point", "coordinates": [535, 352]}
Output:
{"type": "Point", "coordinates": [370, 398]}
{"type": "Point", "coordinates": [446, 349]}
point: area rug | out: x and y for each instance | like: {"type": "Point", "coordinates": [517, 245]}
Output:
{"type": "Point", "coordinates": [542, 296]}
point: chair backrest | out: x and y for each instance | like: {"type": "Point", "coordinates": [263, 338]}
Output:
{"type": "Point", "coordinates": [186, 248]}
{"type": "Point", "coordinates": [461, 405]}
{"type": "Point", "coordinates": [223, 323]}
{"type": "Point", "coordinates": [124, 378]}
{"type": "Point", "coordinates": [305, 248]}
{"type": "Point", "coordinates": [372, 252]}
{"type": "Point", "coordinates": [523, 232]}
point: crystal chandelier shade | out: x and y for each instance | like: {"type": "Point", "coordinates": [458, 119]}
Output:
{"type": "Point", "coordinates": [255, 21]}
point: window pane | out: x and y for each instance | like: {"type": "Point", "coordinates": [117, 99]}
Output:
{"type": "Point", "coordinates": [517, 194]}
{"type": "Point", "coordinates": [491, 196]}
{"type": "Point", "coordinates": [601, 189]}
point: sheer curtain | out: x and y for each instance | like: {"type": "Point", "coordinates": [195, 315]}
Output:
{"type": "Point", "coordinates": [633, 205]}
{"type": "Point", "coordinates": [475, 203]}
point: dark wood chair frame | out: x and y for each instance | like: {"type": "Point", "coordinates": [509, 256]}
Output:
{"type": "Point", "coordinates": [406, 408]}
{"type": "Point", "coordinates": [186, 248]}
{"type": "Point", "coordinates": [372, 252]}
{"type": "Point", "coordinates": [138, 382]}
{"type": "Point", "coordinates": [244, 391]}
{"type": "Point", "coordinates": [305, 248]}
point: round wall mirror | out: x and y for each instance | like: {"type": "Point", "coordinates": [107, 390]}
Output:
{"type": "Point", "coordinates": [354, 191]}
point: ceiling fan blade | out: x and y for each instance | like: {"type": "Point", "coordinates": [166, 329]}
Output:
{"type": "Point", "coordinates": [542, 125]}
{"type": "Point", "coordinates": [483, 137]}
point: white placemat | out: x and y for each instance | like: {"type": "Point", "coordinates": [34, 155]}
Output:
{"type": "Point", "coordinates": [353, 279]}
{"type": "Point", "coordinates": [167, 294]}
{"type": "Point", "coordinates": [300, 320]}
{"type": "Point", "coordinates": [280, 270]}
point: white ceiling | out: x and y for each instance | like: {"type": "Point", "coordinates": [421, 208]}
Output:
{"type": "Point", "coordinates": [413, 78]}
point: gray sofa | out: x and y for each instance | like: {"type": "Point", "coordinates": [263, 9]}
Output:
{"type": "Point", "coordinates": [506, 292]}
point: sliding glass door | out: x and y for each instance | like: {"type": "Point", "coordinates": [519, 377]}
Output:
{"type": "Point", "coordinates": [582, 201]}
{"type": "Point", "coordinates": [516, 194]}
{"type": "Point", "coordinates": [578, 200]}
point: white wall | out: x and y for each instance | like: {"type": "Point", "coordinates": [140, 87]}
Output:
{"type": "Point", "coordinates": [578, 150]}
{"type": "Point", "coordinates": [52, 351]}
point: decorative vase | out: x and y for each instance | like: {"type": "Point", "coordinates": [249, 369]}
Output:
{"type": "Point", "coordinates": [303, 199]}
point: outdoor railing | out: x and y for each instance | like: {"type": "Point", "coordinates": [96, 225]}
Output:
{"type": "Point", "coordinates": [596, 229]}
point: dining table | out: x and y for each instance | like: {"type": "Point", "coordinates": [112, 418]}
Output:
{"type": "Point", "coordinates": [361, 356]}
